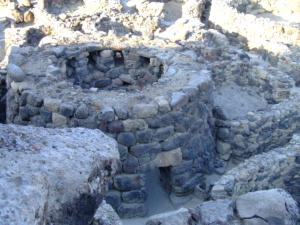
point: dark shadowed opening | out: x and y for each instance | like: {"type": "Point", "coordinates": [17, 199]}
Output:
{"type": "Point", "coordinates": [3, 91]}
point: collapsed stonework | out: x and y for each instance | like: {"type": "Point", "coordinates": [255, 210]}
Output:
{"type": "Point", "coordinates": [181, 89]}
{"type": "Point", "coordinates": [250, 208]}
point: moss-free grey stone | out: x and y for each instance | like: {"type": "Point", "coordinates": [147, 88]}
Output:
{"type": "Point", "coordinates": [66, 109]}
{"type": "Point", "coordinates": [163, 133]}
{"type": "Point", "coordinates": [142, 149]}
{"type": "Point", "coordinates": [46, 115]}
{"type": "Point", "coordinates": [126, 182]}
{"type": "Point", "coordinates": [144, 110]}
{"type": "Point", "coordinates": [82, 112]}
{"type": "Point", "coordinates": [115, 126]}
{"type": "Point", "coordinates": [130, 165]}
{"type": "Point", "coordinates": [126, 138]}
{"type": "Point", "coordinates": [34, 100]}
{"type": "Point", "coordinates": [51, 104]}
{"type": "Point", "coordinates": [113, 198]}
{"type": "Point", "coordinates": [133, 125]}
{"type": "Point", "coordinates": [103, 82]}
{"type": "Point", "coordinates": [123, 151]}
{"type": "Point", "coordinates": [144, 136]}
{"type": "Point", "coordinates": [107, 114]}
{"type": "Point", "coordinates": [59, 120]}
{"type": "Point", "coordinates": [121, 111]}
{"type": "Point", "coordinates": [132, 210]}
{"type": "Point", "coordinates": [116, 72]}
{"type": "Point", "coordinates": [135, 196]}
{"type": "Point", "coordinates": [15, 73]}
{"type": "Point", "coordinates": [178, 100]}
{"type": "Point", "coordinates": [32, 110]}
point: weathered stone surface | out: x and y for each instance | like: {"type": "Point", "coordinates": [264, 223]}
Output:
{"type": "Point", "coordinates": [121, 111]}
{"type": "Point", "coordinates": [130, 164]}
{"type": "Point", "coordinates": [82, 112]}
{"type": "Point", "coordinates": [178, 100]}
{"type": "Point", "coordinates": [193, 8]}
{"type": "Point", "coordinates": [163, 133]}
{"type": "Point", "coordinates": [127, 139]}
{"type": "Point", "coordinates": [17, 59]}
{"type": "Point", "coordinates": [114, 199]}
{"type": "Point", "coordinates": [216, 212]}
{"type": "Point", "coordinates": [115, 126]}
{"type": "Point", "coordinates": [271, 205]}
{"type": "Point", "coordinates": [129, 182]}
{"type": "Point", "coordinates": [51, 104]}
{"type": "Point", "coordinates": [135, 196]}
{"type": "Point", "coordinates": [103, 82]}
{"type": "Point", "coordinates": [106, 53]}
{"type": "Point", "coordinates": [66, 168]}
{"type": "Point", "coordinates": [176, 141]}
{"type": "Point", "coordinates": [144, 110]}
{"type": "Point", "coordinates": [144, 136]}
{"type": "Point", "coordinates": [34, 100]}
{"type": "Point", "coordinates": [169, 158]}
{"type": "Point", "coordinates": [180, 216]}
{"type": "Point", "coordinates": [132, 210]}
{"type": "Point", "coordinates": [59, 120]}
{"type": "Point", "coordinates": [107, 114]}
{"type": "Point", "coordinates": [28, 17]}
{"type": "Point", "coordinates": [142, 149]}
{"type": "Point", "coordinates": [66, 109]}
{"type": "Point", "coordinates": [163, 104]}
{"type": "Point", "coordinates": [105, 215]}
{"type": "Point", "coordinates": [132, 125]}
{"type": "Point", "coordinates": [15, 73]}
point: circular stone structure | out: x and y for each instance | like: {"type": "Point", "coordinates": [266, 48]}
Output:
{"type": "Point", "coordinates": [161, 114]}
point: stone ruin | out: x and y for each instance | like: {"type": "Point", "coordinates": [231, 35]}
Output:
{"type": "Point", "coordinates": [210, 103]}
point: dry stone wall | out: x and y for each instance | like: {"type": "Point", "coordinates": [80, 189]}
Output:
{"type": "Point", "coordinates": [156, 125]}
{"type": "Point", "coordinates": [277, 168]}
{"type": "Point", "coordinates": [258, 132]}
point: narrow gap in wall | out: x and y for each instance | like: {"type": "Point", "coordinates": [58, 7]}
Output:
{"type": "Point", "coordinates": [206, 11]}
{"type": "Point", "coordinates": [119, 58]}
{"type": "Point", "coordinates": [3, 91]}
{"type": "Point", "coordinates": [144, 61]}
{"type": "Point", "coordinates": [158, 196]}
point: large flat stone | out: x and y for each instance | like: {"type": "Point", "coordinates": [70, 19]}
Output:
{"type": "Point", "coordinates": [271, 205]}
{"type": "Point", "coordinates": [180, 216]}
{"type": "Point", "coordinates": [51, 175]}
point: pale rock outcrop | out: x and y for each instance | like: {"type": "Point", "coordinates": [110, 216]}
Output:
{"type": "Point", "coordinates": [53, 176]}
